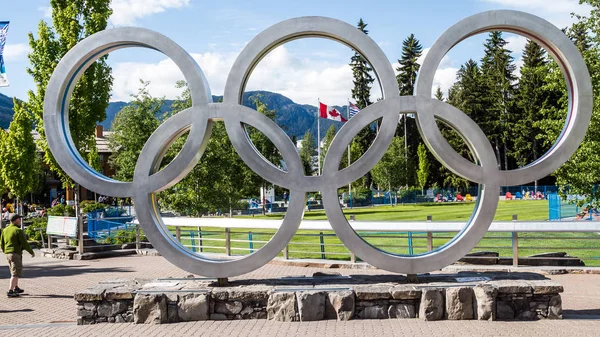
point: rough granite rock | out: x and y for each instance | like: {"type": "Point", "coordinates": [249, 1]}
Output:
{"type": "Point", "coordinates": [459, 303]}
{"type": "Point", "coordinates": [513, 287]}
{"type": "Point", "coordinates": [120, 293]}
{"type": "Point", "coordinates": [545, 287]}
{"type": "Point", "coordinates": [85, 313]}
{"type": "Point", "coordinates": [504, 311]}
{"type": "Point", "coordinates": [311, 305]}
{"type": "Point", "coordinates": [229, 308]}
{"type": "Point", "coordinates": [110, 309]}
{"type": "Point", "coordinates": [193, 307]}
{"type": "Point", "coordinates": [218, 317]}
{"type": "Point", "coordinates": [340, 305]}
{"type": "Point", "coordinates": [484, 302]}
{"type": "Point", "coordinates": [253, 294]}
{"type": "Point", "coordinates": [370, 293]}
{"type": "Point", "coordinates": [402, 310]}
{"type": "Point", "coordinates": [282, 307]}
{"type": "Point", "coordinates": [432, 305]}
{"type": "Point", "coordinates": [90, 305]}
{"type": "Point", "coordinates": [374, 312]}
{"type": "Point", "coordinates": [150, 308]}
{"type": "Point", "coordinates": [555, 308]}
{"type": "Point", "coordinates": [405, 292]}
{"type": "Point", "coordinates": [90, 294]}
{"type": "Point", "coordinates": [246, 312]}
{"type": "Point", "coordinates": [172, 312]}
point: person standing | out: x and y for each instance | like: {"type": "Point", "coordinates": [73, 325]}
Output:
{"type": "Point", "coordinates": [5, 217]}
{"type": "Point", "coordinates": [12, 243]}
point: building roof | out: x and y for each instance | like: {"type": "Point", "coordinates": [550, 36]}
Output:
{"type": "Point", "coordinates": [102, 143]}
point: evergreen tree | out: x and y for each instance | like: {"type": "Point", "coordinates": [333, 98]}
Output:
{"type": "Point", "coordinates": [408, 69]}
{"type": "Point", "coordinates": [407, 76]}
{"type": "Point", "coordinates": [497, 67]}
{"type": "Point", "coordinates": [361, 93]}
{"type": "Point", "coordinates": [423, 172]}
{"type": "Point", "coordinates": [17, 153]}
{"type": "Point", "coordinates": [580, 172]}
{"type": "Point", "coordinates": [72, 21]}
{"type": "Point", "coordinates": [439, 95]}
{"type": "Point", "coordinates": [361, 71]}
{"type": "Point", "coordinates": [466, 74]}
{"type": "Point", "coordinates": [306, 153]}
{"type": "Point", "coordinates": [327, 142]}
{"type": "Point", "coordinates": [530, 100]}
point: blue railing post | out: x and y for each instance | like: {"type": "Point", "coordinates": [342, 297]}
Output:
{"type": "Point", "coordinates": [322, 242]}
{"type": "Point", "coordinates": [351, 199]}
{"type": "Point", "coordinates": [200, 239]}
{"type": "Point", "coordinates": [193, 241]}
{"type": "Point", "coordinates": [410, 244]}
{"type": "Point", "coordinates": [250, 243]}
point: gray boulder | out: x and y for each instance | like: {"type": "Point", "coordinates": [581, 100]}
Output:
{"type": "Point", "coordinates": [340, 305]}
{"type": "Point", "coordinates": [402, 310]}
{"type": "Point", "coordinates": [193, 307]}
{"type": "Point", "coordinates": [282, 307]}
{"type": "Point", "coordinates": [311, 305]}
{"type": "Point", "coordinates": [150, 309]}
{"type": "Point", "coordinates": [432, 305]}
{"type": "Point", "coordinates": [484, 302]}
{"type": "Point", "coordinates": [459, 303]}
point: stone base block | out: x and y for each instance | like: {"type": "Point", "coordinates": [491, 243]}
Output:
{"type": "Point", "coordinates": [482, 296]}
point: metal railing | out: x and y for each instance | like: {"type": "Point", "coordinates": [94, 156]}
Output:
{"type": "Point", "coordinates": [512, 240]}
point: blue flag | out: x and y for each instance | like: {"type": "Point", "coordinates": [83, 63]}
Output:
{"type": "Point", "coordinates": [3, 32]}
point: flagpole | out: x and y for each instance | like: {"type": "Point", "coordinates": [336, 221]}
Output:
{"type": "Point", "coordinates": [350, 183]}
{"type": "Point", "coordinates": [318, 136]}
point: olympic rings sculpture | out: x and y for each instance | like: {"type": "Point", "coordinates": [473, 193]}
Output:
{"type": "Point", "coordinates": [197, 120]}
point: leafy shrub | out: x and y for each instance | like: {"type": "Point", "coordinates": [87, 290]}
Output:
{"type": "Point", "coordinates": [90, 206]}
{"type": "Point", "coordinates": [123, 236]}
{"type": "Point", "coordinates": [62, 210]}
{"type": "Point", "coordinates": [360, 196]}
{"type": "Point", "coordinates": [33, 230]}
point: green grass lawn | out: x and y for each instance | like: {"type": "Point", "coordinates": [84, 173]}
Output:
{"type": "Point", "coordinates": [308, 244]}
{"type": "Point", "coordinates": [525, 209]}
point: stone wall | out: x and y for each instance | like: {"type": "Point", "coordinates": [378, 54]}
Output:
{"type": "Point", "coordinates": [318, 298]}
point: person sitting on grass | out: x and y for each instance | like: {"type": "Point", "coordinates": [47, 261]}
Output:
{"type": "Point", "coordinates": [12, 243]}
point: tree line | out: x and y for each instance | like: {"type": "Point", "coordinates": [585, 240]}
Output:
{"type": "Point", "coordinates": [521, 115]}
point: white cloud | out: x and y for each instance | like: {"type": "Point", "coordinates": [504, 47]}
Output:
{"type": "Point", "coordinates": [444, 76]}
{"type": "Point", "coordinates": [556, 11]}
{"type": "Point", "coordinates": [516, 43]}
{"type": "Point", "coordinates": [302, 80]}
{"type": "Point", "coordinates": [126, 12]}
{"type": "Point", "coordinates": [16, 52]}
{"type": "Point", "coordinates": [46, 11]}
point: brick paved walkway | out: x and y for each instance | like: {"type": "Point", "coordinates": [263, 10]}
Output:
{"type": "Point", "coordinates": [48, 309]}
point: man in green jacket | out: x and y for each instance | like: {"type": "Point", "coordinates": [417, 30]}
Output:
{"type": "Point", "coordinates": [12, 243]}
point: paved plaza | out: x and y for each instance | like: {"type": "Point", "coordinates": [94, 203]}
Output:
{"type": "Point", "coordinates": [48, 308]}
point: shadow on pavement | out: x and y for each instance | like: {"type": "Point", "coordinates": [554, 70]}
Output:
{"type": "Point", "coordinates": [46, 296]}
{"type": "Point", "coordinates": [16, 310]}
{"type": "Point", "coordinates": [581, 314]}
{"type": "Point", "coordinates": [62, 270]}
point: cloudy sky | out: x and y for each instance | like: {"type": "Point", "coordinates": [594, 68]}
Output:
{"type": "Point", "coordinates": [214, 32]}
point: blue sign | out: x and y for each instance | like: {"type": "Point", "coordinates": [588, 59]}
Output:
{"type": "Point", "coordinates": [3, 33]}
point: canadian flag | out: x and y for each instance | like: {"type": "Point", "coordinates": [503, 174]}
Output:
{"type": "Point", "coordinates": [333, 114]}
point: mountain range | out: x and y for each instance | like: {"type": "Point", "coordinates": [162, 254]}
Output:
{"type": "Point", "coordinates": [294, 118]}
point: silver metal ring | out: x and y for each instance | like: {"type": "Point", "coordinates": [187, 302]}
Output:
{"type": "Point", "coordinates": [198, 119]}
{"type": "Point", "coordinates": [564, 52]}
